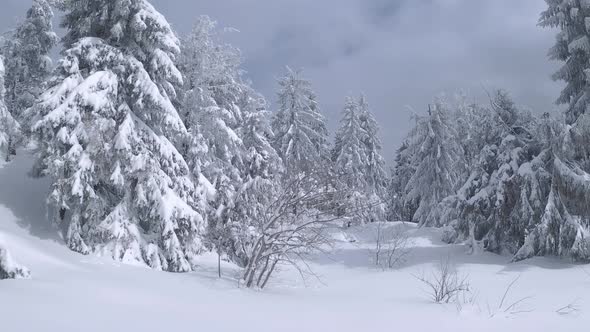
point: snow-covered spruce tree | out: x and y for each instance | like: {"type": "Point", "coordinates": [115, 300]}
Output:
{"type": "Point", "coordinates": [210, 97]}
{"type": "Point", "coordinates": [229, 123]}
{"type": "Point", "coordinates": [565, 226]}
{"type": "Point", "coordinates": [108, 135]}
{"type": "Point", "coordinates": [9, 128]}
{"type": "Point", "coordinates": [504, 196]}
{"type": "Point", "coordinates": [349, 154]}
{"type": "Point", "coordinates": [357, 161]}
{"type": "Point", "coordinates": [210, 109]}
{"type": "Point", "coordinates": [28, 63]}
{"type": "Point", "coordinates": [350, 161]}
{"type": "Point", "coordinates": [440, 163]}
{"type": "Point", "coordinates": [234, 227]}
{"type": "Point", "coordinates": [261, 181]}
{"type": "Point", "coordinates": [400, 174]}
{"type": "Point", "coordinates": [375, 173]}
{"type": "Point", "coordinates": [300, 130]}
{"type": "Point", "coordinates": [572, 47]}
{"type": "Point", "coordinates": [465, 117]}
{"type": "Point", "coordinates": [400, 206]}
{"type": "Point", "coordinates": [473, 132]}
{"type": "Point", "coordinates": [461, 116]}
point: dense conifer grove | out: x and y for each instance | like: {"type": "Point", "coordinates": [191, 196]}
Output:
{"type": "Point", "coordinates": [159, 149]}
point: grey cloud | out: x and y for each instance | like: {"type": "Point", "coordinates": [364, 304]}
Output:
{"type": "Point", "coordinates": [399, 52]}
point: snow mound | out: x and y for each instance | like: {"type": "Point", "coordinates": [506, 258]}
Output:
{"type": "Point", "coordinates": [69, 290]}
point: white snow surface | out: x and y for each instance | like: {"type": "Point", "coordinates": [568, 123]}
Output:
{"type": "Point", "coordinates": [71, 292]}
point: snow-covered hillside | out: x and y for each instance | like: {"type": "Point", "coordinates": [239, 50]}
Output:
{"type": "Point", "coordinates": [71, 292]}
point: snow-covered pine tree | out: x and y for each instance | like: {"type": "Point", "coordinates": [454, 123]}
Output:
{"type": "Point", "coordinates": [211, 112]}
{"type": "Point", "coordinates": [261, 160]}
{"type": "Point", "coordinates": [229, 121]}
{"type": "Point", "coordinates": [522, 178]}
{"type": "Point", "coordinates": [350, 161]}
{"type": "Point", "coordinates": [349, 154]}
{"type": "Point", "coordinates": [504, 196]}
{"type": "Point", "coordinates": [108, 135]}
{"type": "Point", "coordinates": [565, 226]}
{"type": "Point", "coordinates": [300, 130]}
{"type": "Point", "coordinates": [440, 163]}
{"type": "Point", "coordinates": [465, 116]}
{"type": "Point", "coordinates": [9, 127]}
{"type": "Point", "coordinates": [572, 47]}
{"type": "Point", "coordinates": [211, 94]}
{"type": "Point", "coordinates": [28, 63]}
{"type": "Point", "coordinates": [400, 207]}
{"type": "Point", "coordinates": [263, 170]}
{"type": "Point", "coordinates": [474, 129]}
{"type": "Point", "coordinates": [375, 173]}
{"type": "Point", "coordinates": [401, 172]}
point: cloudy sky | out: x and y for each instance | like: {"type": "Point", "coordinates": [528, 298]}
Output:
{"type": "Point", "coordinates": [400, 53]}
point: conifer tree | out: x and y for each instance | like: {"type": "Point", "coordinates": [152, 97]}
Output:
{"type": "Point", "coordinates": [229, 124]}
{"type": "Point", "coordinates": [503, 198]}
{"type": "Point", "coordinates": [349, 153]}
{"type": "Point", "coordinates": [357, 162]}
{"type": "Point", "coordinates": [9, 128]}
{"type": "Point", "coordinates": [27, 62]}
{"type": "Point", "coordinates": [109, 136]}
{"type": "Point", "coordinates": [375, 172]}
{"type": "Point", "coordinates": [564, 229]}
{"type": "Point", "coordinates": [261, 181]}
{"type": "Point", "coordinates": [300, 129]}
{"type": "Point", "coordinates": [398, 208]}
{"type": "Point", "coordinates": [211, 96]}
{"type": "Point", "coordinates": [439, 165]}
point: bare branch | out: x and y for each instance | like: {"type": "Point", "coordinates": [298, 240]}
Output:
{"type": "Point", "coordinates": [392, 245]}
{"type": "Point", "coordinates": [293, 227]}
{"type": "Point", "coordinates": [445, 284]}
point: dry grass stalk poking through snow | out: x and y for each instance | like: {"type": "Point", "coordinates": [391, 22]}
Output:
{"type": "Point", "coordinates": [507, 307]}
{"type": "Point", "coordinates": [570, 309]}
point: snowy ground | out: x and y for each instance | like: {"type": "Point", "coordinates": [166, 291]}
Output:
{"type": "Point", "coordinates": [70, 292]}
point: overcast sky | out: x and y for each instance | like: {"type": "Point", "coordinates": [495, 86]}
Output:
{"type": "Point", "coordinates": [400, 53]}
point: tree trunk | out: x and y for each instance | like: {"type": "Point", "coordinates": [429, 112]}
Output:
{"type": "Point", "coordinates": [219, 264]}
{"type": "Point", "coordinates": [272, 268]}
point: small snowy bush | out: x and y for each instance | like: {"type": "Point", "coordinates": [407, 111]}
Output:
{"type": "Point", "coordinates": [392, 246]}
{"type": "Point", "coordinates": [9, 269]}
{"type": "Point", "coordinates": [445, 285]}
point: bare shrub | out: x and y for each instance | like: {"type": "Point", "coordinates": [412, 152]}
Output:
{"type": "Point", "coordinates": [392, 245]}
{"type": "Point", "coordinates": [293, 226]}
{"type": "Point", "coordinates": [445, 284]}
{"type": "Point", "coordinates": [466, 298]}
